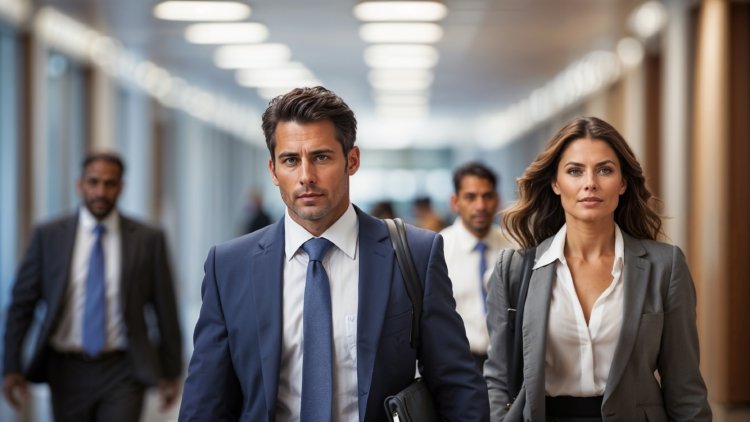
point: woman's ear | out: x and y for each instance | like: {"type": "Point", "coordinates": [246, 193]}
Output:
{"type": "Point", "coordinates": [554, 187]}
{"type": "Point", "coordinates": [624, 186]}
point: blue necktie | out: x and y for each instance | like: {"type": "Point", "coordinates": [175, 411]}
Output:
{"type": "Point", "coordinates": [482, 249]}
{"type": "Point", "coordinates": [94, 331]}
{"type": "Point", "coordinates": [317, 328]}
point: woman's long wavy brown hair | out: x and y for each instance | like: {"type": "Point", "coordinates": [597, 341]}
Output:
{"type": "Point", "coordinates": [538, 213]}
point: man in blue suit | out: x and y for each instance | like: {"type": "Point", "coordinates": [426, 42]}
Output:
{"type": "Point", "coordinates": [261, 354]}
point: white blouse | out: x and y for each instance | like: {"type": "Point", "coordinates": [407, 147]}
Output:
{"type": "Point", "coordinates": [579, 356]}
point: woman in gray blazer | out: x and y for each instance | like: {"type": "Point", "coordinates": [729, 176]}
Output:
{"type": "Point", "coordinates": [609, 327]}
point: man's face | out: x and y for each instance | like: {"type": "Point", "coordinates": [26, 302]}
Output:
{"type": "Point", "coordinates": [476, 204]}
{"type": "Point", "coordinates": [312, 173]}
{"type": "Point", "coordinates": [99, 187]}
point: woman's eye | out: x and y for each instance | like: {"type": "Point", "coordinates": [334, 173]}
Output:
{"type": "Point", "coordinates": [605, 170]}
{"type": "Point", "coordinates": [574, 171]}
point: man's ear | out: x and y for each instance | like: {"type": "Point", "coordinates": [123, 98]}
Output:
{"type": "Point", "coordinates": [352, 161]}
{"type": "Point", "coordinates": [272, 171]}
{"type": "Point", "coordinates": [454, 203]}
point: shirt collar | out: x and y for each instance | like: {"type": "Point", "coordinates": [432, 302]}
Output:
{"type": "Point", "coordinates": [466, 239]}
{"type": "Point", "coordinates": [556, 251]}
{"type": "Point", "coordinates": [87, 221]}
{"type": "Point", "coordinates": [343, 233]}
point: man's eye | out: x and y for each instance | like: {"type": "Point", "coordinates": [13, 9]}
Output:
{"type": "Point", "coordinates": [289, 161]}
{"type": "Point", "coordinates": [321, 158]}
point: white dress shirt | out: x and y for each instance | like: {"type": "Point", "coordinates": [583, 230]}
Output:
{"type": "Point", "coordinates": [68, 337]}
{"type": "Point", "coordinates": [462, 259]}
{"type": "Point", "coordinates": [342, 266]}
{"type": "Point", "coordinates": [578, 356]}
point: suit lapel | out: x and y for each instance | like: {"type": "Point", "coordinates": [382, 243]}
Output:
{"type": "Point", "coordinates": [66, 236]}
{"type": "Point", "coordinates": [266, 278]}
{"type": "Point", "coordinates": [127, 253]}
{"type": "Point", "coordinates": [635, 278]}
{"type": "Point", "coordinates": [375, 278]}
{"type": "Point", "coordinates": [535, 318]}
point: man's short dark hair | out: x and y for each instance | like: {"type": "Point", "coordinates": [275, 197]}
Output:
{"type": "Point", "coordinates": [307, 105]}
{"type": "Point", "coordinates": [473, 168]}
{"type": "Point", "coordinates": [109, 156]}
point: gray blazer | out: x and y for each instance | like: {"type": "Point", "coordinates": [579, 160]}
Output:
{"type": "Point", "coordinates": [658, 334]}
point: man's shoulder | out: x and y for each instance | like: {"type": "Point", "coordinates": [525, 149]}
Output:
{"type": "Point", "coordinates": [263, 236]}
{"type": "Point", "coordinates": [56, 223]}
{"type": "Point", "coordinates": [130, 223]}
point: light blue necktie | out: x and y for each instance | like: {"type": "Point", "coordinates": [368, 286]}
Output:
{"type": "Point", "coordinates": [482, 249]}
{"type": "Point", "coordinates": [94, 331]}
{"type": "Point", "coordinates": [317, 349]}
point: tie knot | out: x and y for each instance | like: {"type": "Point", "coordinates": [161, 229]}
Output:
{"type": "Point", "coordinates": [316, 248]}
{"type": "Point", "coordinates": [481, 247]}
{"type": "Point", "coordinates": [99, 229]}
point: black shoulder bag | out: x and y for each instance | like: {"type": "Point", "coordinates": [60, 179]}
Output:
{"type": "Point", "coordinates": [517, 292]}
{"type": "Point", "coordinates": [414, 403]}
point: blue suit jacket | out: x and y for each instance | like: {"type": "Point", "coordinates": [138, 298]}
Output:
{"type": "Point", "coordinates": [234, 371]}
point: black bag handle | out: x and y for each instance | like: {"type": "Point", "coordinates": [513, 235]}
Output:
{"type": "Point", "coordinates": [397, 233]}
{"type": "Point", "coordinates": [518, 291]}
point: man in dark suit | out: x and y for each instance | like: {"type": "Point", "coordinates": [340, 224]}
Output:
{"type": "Point", "coordinates": [106, 285]}
{"type": "Point", "coordinates": [270, 346]}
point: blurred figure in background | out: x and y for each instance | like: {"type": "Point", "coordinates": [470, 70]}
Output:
{"type": "Point", "coordinates": [472, 243]}
{"type": "Point", "coordinates": [383, 209]}
{"type": "Point", "coordinates": [257, 215]}
{"type": "Point", "coordinates": [95, 271]}
{"type": "Point", "coordinates": [426, 217]}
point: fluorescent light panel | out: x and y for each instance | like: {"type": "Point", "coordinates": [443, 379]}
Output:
{"type": "Point", "coordinates": [401, 32]}
{"type": "Point", "coordinates": [275, 77]}
{"type": "Point", "coordinates": [226, 33]}
{"type": "Point", "coordinates": [254, 55]}
{"type": "Point", "coordinates": [411, 11]}
{"type": "Point", "coordinates": [401, 99]}
{"type": "Point", "coordinates": [207, 11]}
{"type": "Point", "coordinates": [394, 56]}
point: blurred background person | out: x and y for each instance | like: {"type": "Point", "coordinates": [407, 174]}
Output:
{"type": "Point", "coordinates": [609, 321]}
{"type": "Point", "coordinates": [383, 209]}
{"type": "Point", "coordinates": [471, 244]}
{"type": "Point", "coordinates": [425, 216]}
{"type": "Point", "coordinates": [257, 215]}
{"type": "Point", "coordinates": [96, 271]}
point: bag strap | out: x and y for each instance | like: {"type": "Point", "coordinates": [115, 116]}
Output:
{"type": "Point", "coordinates": [517, 302]}
{"type": "Point", "coordinates": [397, 233]}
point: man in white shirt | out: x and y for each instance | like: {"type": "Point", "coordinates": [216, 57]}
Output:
{"type": "Point", "coordinates": [308, 319]}
{"type": "Point", "coordinates": [472, 243]}
{"type": "Point", "coordinates": [95, 272]}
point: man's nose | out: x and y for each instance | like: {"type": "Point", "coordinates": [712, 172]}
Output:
{"type": "Point", "coordinates": [307, 175]}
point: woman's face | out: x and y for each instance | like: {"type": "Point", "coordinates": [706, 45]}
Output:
{"type": "Point", "coordinates": [589, 181]}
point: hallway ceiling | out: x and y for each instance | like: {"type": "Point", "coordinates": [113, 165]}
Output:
{"type": "Point", "coordinates": [493, 52]}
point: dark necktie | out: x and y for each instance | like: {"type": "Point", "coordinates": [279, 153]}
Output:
{"type": "Point", "coordinates": [482, 249]}
{"type": "Point", "coordinates": [317, 328]}
{"type": "Point", "coordinates": [94, 331]}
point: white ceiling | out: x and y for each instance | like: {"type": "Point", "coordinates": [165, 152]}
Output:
{"type": "Point", "coordinates": [493, 53]}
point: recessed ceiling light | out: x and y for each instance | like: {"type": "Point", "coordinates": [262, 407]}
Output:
{"type": "Point", "coordinates": [224, 11]}
{"type": "Point", "coordinates": [284, 76]}
{"type": "Point", "coordinates": [403, 99]}
{"type": "Point", "coordinates": [422, 32]}
{"type": "Point", "coordinates": [226, 33]}
{"type": "Point", "coordinates": [395, 56]}
{"type": "Point", "coordinates": [413, 11]}
{"type": "Point", "coordinates": [400, 79]}
{"type": "Point", "coordinates": [254, 55]}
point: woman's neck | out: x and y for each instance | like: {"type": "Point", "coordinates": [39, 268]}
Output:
{"type": "Point", "coordinates": [589, 241]}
